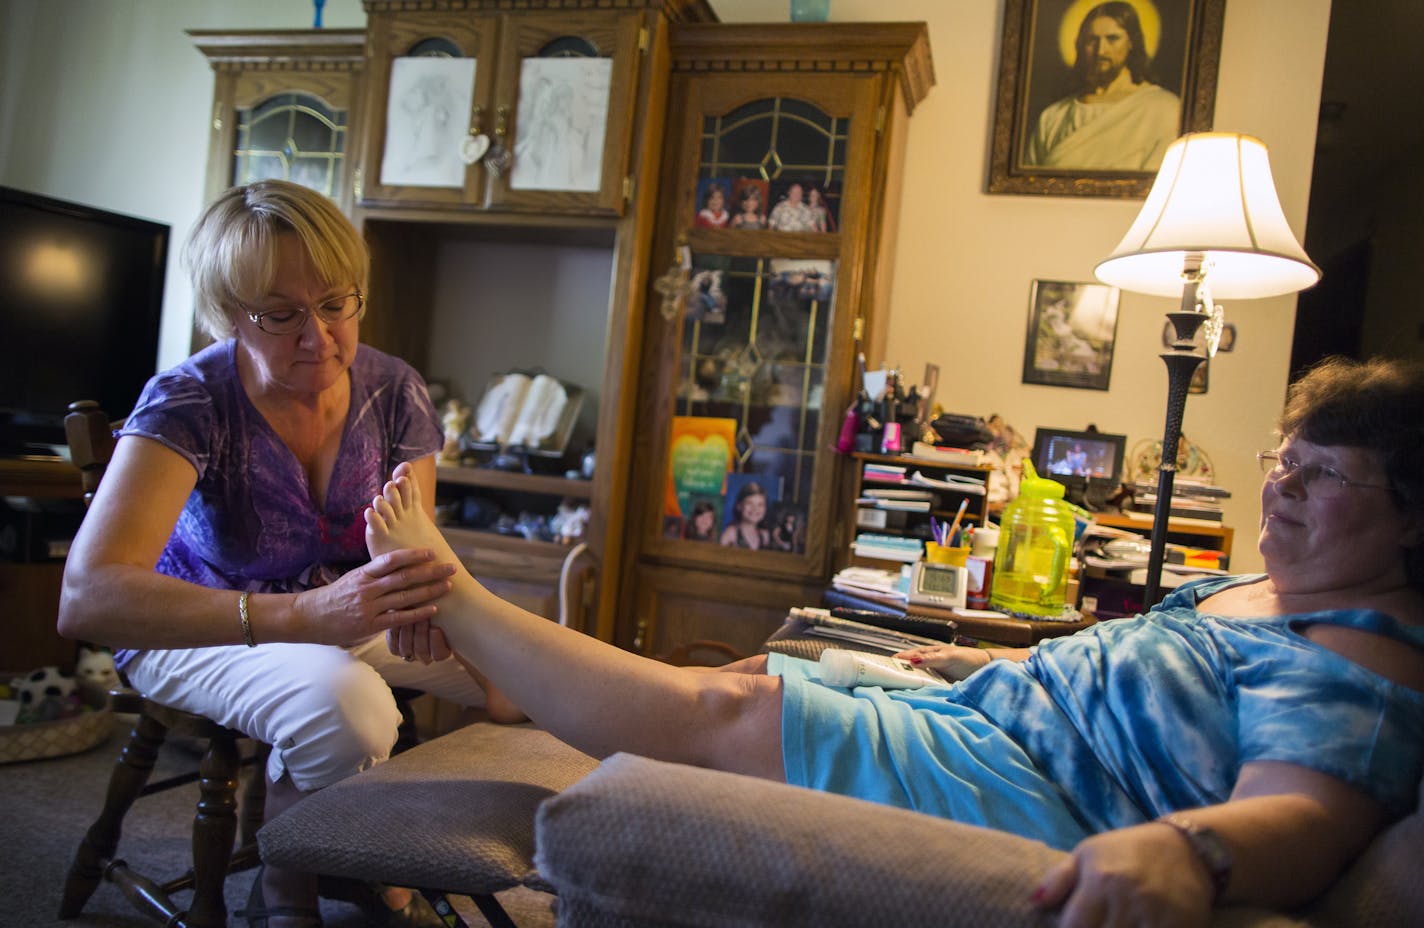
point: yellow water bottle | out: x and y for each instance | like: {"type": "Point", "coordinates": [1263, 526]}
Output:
{"type": "Point", "coordinates": [1035, 549]}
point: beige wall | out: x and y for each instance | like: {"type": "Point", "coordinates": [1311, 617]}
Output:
{"type": "Point", "coordinates": [123, 126]}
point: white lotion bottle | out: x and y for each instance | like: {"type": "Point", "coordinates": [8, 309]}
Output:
{"type": "Point", "coordinates": [857, 668]}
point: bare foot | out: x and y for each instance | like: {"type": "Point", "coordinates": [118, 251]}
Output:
{"type": "Point", "coordinates": [397, 520]}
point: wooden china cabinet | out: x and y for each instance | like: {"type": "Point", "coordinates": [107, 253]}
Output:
{"type": "Point", "coordinates": [753, 325]}
{"type": "Point", "coordinates": [285, 105]}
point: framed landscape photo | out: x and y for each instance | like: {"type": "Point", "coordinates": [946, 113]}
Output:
{"type": "Point", "coordinates": [1071, 331]}
{"type": "Point", "coordinates": [1091, 93]}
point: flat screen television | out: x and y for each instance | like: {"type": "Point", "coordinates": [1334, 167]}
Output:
{"type": "Point", "coordinates": [1089, 463]}
{"type": "Point", "coordinates": [81, 296]}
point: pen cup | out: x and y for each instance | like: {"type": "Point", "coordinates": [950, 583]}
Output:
{"type": "Point", "coordinates": [937, 553]}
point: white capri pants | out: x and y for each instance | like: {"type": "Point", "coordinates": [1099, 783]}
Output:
{"type": "Point", "coordinates": [328, 712]}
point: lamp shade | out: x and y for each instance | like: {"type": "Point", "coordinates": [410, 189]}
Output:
{"type": "Point", "coordinates": [1213, 197]}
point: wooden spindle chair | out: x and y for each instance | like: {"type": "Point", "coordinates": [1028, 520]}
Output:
{"type": "Point", "coordinates": [217, 822]}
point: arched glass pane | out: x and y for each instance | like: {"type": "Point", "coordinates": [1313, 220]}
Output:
{"type": "Point", "coordinates": [569, 46]}
{"type": "Point", "coordinates": [291, 136]}
{"type": "Point", "coordinates": [434, 47]}
{"type": "Point", "coordinates": [795, 147]}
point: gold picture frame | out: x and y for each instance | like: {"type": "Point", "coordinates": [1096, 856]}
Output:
{"type": "Point", "coordinates": [1035, 74]}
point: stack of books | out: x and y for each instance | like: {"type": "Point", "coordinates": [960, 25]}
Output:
{"type": "Point", "coordinates": [1191, 499]}
{"type": "Point", "coordinates": [905, 500]}
{"type": "Point", "coordinates": [884, 473]}
{"type": "Point", "coordinates": [888, 547]}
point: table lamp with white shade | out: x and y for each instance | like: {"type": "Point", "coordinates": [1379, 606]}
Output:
{"type": "Point", "coordinates": [1211, 228]}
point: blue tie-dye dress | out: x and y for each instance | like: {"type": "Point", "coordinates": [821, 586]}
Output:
{"type": "Point", "coordinates": [250, 522]}
{"type": "Point", "coordinates": [1116, 725]}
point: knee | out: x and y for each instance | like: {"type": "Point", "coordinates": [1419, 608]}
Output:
{"type": "Point", "coordinates": [343, 722]}
{"type": "Point", "coordinates": [741, 716]}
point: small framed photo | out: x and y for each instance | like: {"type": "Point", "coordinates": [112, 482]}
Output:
{"type": "Point", "coordinates": [749, 199]}
{"type": "Point", "coordinates": [788, 528]}
{"type": "Point", "coordinates": [714, 199]}
{"type": "Point", "coordinates": [803, 279]}
{"type": "Point", "coordinates": [802, 204]}
{"type": "Point", "coordinates": [703, 519]}
{"type": "Point", "coordinates": [1071, 331]}
{"type": "Point", "coordinates": [706, 300]}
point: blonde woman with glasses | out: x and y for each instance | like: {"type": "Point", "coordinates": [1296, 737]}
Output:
{"type": "Point", "coordinates": [224, 553]}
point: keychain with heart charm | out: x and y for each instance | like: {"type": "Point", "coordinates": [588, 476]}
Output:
{"type": "Point", "coordinates": [474, 145]}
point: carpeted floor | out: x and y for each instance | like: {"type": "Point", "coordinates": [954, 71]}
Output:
{"type": "Point", "coordinates": [46, 805]}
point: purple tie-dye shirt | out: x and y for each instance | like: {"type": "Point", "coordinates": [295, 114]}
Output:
{"type": "Point", "coordinates": [251, 522]}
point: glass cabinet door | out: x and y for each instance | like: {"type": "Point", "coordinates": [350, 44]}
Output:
{"type": "Point", "coordinates": [284, 106]}
{"type": "Point", "coordinates": [763, 335]}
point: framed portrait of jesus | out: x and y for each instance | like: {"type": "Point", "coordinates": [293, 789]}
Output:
{"type": "Point", "coordinates": [1091, 93]}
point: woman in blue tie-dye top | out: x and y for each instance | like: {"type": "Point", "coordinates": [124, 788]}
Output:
{"type": "Point", "coordinates": [224, 552]}
{"type": "Point", "coordinates": [1241, 742]}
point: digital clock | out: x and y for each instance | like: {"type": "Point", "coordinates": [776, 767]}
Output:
{"type": "Point", "coordinates": [938, 585]}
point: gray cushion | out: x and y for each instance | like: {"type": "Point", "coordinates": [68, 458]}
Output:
{"type": "Point", "coordinates": [456, 813]}
{"type": "Point", "coordinates": [641, 842]}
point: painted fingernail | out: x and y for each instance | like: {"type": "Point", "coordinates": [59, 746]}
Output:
{"type": "Point", "coordinates": [916, 659]}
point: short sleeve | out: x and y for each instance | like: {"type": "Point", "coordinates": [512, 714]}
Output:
{"type": "Point", "coordinates": [418, 433]}
{"type": "Point", "coordinates": [1333, 716]}
{"type": "Point", "coordinates": [176, 410]}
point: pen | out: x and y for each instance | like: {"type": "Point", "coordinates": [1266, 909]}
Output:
{"type": "Point", "coordinates": [954, 528]}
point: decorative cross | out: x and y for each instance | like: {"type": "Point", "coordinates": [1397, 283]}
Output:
{"type": "Point", "coordinates": [672, 286]}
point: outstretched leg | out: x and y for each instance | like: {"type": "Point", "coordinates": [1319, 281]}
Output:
{"type": "Point", "coordinates": [597, 697]}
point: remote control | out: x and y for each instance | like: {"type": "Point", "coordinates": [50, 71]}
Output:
{"type": "Point", "coordinates": [922, 625]}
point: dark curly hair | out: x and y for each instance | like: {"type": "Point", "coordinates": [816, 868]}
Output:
{"type": "Point", "coordinates": [1378, 405]}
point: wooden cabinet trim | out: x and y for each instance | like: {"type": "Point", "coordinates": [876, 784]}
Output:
{"type": "Point", "coordinates": [291, 49]}
{"type": "Point", "coordinates": [674, 10]}
{"type": "Point", "coordinates": [901, 48]}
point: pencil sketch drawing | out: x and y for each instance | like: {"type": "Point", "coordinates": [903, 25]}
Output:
{"type": "Point", "coordinates": [561, 124]}
{"type": "Point", "coordinates": [426, 118]}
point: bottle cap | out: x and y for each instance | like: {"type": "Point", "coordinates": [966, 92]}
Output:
{"type": "Point", "coordinates": [1039, 487]}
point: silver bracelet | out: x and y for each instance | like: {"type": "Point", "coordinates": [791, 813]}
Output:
{"type": "Point", "coordinates": [246, 622]}
{"type": "Point", "coordinates": [1208, 848]}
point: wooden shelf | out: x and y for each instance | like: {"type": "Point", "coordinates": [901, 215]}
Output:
{"type": "Point", "coordinates": [463, 539]}
{"type": "Point", "coordinates": [40, 478]}
{"type": "Point", "coordinates": [515, 481]}
{"type": "Point", "coordinates": [1199, 533]}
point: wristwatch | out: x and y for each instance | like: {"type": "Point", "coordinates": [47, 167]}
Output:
{"type": "Point", "coordinates": [1209, 848]}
